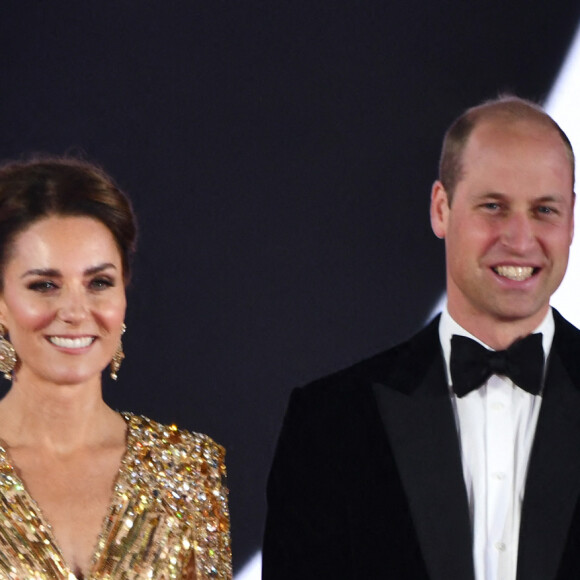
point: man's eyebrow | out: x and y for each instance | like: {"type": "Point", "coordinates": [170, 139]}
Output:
{"type": "Point", "coordinates": [555, 197]}
{"type": "Point", "coordinates": [490, 194]}
{"type": "Point", "coordinates": [552, 198]}
{"type": "Point", "coordinates": [53, 272]}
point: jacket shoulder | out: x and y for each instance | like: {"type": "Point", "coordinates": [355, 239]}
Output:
{"type": "Point", "coordinates": [409, 360]}
{"type": "Point", "coordinates": [567, 345]}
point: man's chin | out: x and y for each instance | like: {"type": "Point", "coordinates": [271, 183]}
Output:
{"type": "Point", "coordinates": [520, 313]}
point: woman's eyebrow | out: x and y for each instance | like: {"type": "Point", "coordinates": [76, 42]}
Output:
{"type": "Point", "coordinates": [99, 268]}
{"type": "Point", "coordinates": [41, 272]}
{"type": "Point", "coordinates": [57, 273]}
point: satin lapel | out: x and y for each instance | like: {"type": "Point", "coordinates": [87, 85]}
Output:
{"type": "Point", "coordinates": [553, 481]}
{"type": "Point", "coordinates": [419, 422]}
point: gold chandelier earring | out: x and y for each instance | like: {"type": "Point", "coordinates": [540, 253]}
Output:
{"type": "Point", "coordinates": [118, 356]}
{"type": "Point", "coordinates": [7, 355]}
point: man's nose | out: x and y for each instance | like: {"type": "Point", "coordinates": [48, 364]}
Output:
{"type": "Point", "coordinates": [518, 232]}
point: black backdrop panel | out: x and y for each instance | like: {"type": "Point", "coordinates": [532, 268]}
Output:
{"type": "Point", "coordinates": [279, 155]}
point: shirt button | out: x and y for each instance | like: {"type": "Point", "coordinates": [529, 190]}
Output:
{"type": "Point", "coordinates": [497, 406]}
{"type": "Point", "coordinates": [500, 546]}
{"type": "Point", "coordinates": [499, 475]}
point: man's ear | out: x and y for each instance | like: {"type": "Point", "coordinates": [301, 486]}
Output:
{"type": "Point", "coordinates": [439, 209]}
{"type": "Point", "coordinates": [573, 220]}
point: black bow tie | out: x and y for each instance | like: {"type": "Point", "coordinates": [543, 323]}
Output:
{"type": "Point", "coordinates": [472, 364]}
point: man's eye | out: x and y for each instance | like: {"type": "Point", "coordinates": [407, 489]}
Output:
{"type": "Point", "coordinates": [42, 286]}
{"type": "Point", "coordinates": [491, 205]}
{"type": "Point", "coordinates": [543, 209]}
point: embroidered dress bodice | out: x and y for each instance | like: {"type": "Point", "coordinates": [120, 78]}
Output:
{"type": "Point", "coordinates": [168, 518]}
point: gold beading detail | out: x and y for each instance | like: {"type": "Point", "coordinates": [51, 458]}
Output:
{"type": "Point", "coordinates": [169, 514]}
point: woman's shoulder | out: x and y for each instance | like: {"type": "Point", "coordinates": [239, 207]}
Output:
{"type": "Point", "coordinates": [169, 443]}
{"type": "Point", "coordinates": [184, 472]}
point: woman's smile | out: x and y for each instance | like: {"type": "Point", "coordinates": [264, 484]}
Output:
{"type": "Point", "coordinates": [63, 288]}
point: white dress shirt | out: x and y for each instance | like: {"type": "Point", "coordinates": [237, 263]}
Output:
{"type": "Point", "coordinates": [496, 425]}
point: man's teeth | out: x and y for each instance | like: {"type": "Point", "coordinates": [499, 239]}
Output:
{"type": "Point", "coordinates": [518, 273]}
{"type": "Point", "coordinates": [71, 342]}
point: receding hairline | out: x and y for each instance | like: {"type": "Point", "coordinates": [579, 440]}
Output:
{"type": "Point", "coordinates": [507, 110]}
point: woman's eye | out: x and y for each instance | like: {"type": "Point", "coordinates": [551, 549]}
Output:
{"type": "Point", "coordinates": [42, 286]}
{"type": "Point", "coordinates": [101, 283]}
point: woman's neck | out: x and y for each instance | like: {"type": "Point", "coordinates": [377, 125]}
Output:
{"type": "Point", "coordinates": [58, 418]}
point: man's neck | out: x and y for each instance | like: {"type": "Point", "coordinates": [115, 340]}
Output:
{"type": "Point", "coordinates": [495, 333]}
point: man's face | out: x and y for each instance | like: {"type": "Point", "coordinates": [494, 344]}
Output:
{"type": "Point", "coordinates": [509, 227]}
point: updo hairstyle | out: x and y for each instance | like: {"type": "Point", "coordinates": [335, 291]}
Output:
{"type": "Point", "coordinates": [51, 186]}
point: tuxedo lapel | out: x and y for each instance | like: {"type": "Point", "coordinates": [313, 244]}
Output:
{"type": "Point", "coordinates": [553, 481]}
{"type": "Point", "coordinates": [415, 408]}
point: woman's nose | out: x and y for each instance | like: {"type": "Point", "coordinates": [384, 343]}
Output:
{"type": "Point", "coordinates": [72, 307]}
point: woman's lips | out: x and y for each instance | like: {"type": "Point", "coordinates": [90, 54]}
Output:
{"type": "Point", "coordinates": [67, 342]}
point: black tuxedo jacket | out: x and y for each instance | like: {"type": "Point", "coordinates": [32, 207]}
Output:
{"type": "Point", "coordinates": [367, 481]}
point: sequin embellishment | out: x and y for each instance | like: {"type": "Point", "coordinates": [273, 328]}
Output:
{"type": "Point", "coordinates": [168, 519]}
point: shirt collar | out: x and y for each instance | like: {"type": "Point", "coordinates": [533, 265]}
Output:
{"type": "Point", "coordinates": [448, 327]}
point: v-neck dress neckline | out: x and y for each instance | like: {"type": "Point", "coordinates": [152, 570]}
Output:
{"type": "Point", "coordinates": [168, 517]}
{"type": "Point", "coordinates": [32, 513]}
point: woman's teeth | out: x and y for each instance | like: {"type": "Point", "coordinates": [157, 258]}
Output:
{"type": "Point", "coordinates": [518, 273]}
{"type": "Point", "coordinates": [71, 342]}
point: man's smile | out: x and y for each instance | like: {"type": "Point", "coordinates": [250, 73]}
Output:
{"type": "Point", "coordinates": [517, 273]}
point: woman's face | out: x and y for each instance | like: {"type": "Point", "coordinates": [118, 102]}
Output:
{"type": "Point", "coordinates": [63, 301]}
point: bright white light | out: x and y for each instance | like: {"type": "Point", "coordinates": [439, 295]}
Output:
{"type": "Point", "coordinates": [563, 105]}
{"type": "Point", "coordinates": [252, 570]}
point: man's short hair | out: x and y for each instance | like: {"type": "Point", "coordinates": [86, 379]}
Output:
{"type": "Point", "coordinates": [507, 108]}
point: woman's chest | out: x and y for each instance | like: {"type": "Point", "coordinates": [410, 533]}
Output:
{"type": "Point", "coordinates": [71, 497]}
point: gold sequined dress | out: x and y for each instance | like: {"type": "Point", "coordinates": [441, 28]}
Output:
{"type": "Point", "coordinates": [168, 518]}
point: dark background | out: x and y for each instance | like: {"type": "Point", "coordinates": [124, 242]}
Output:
{"type": "Point", "coordinates": [279, 155]}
